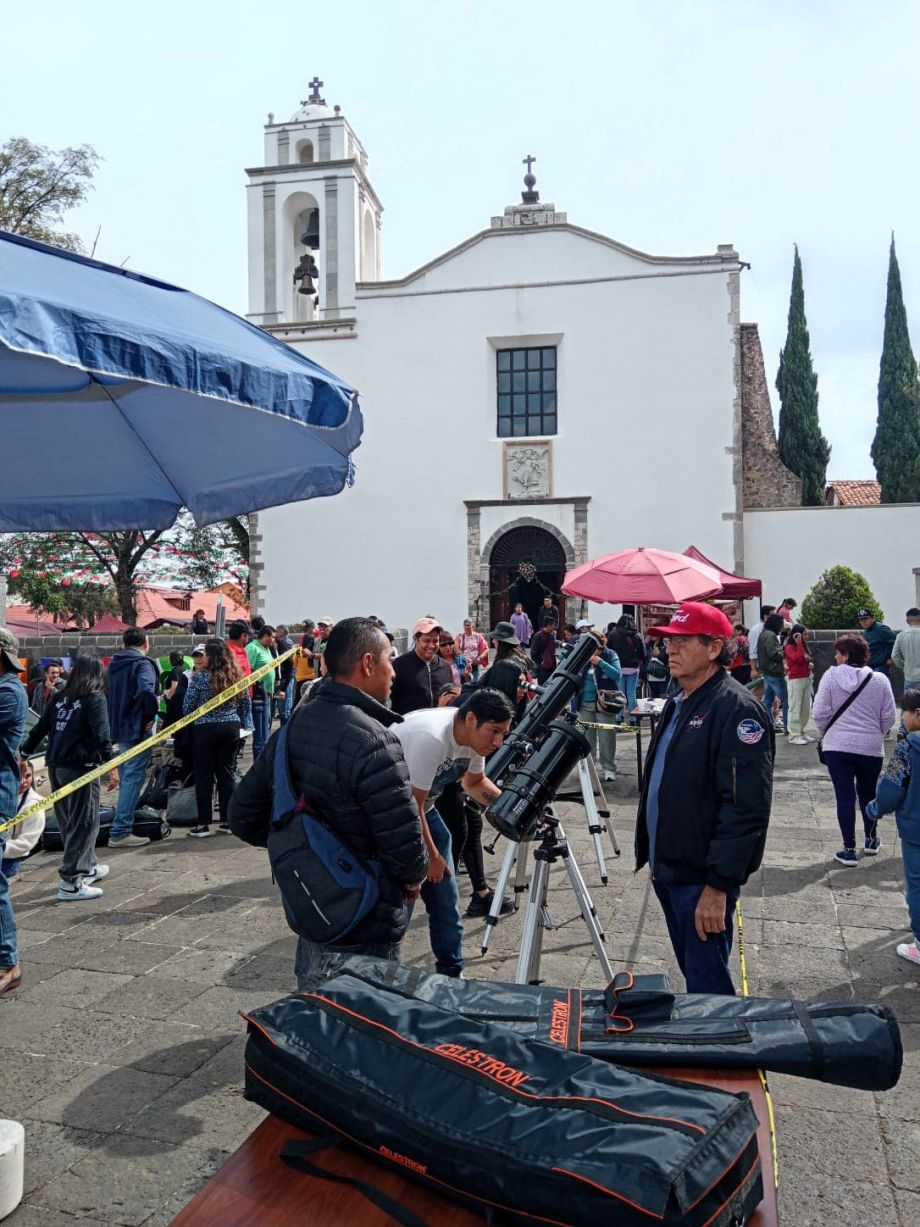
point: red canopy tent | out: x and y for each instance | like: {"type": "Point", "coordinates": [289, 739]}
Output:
{"type": "Point", "coordinates": [734, 587]}
{"type": "Point", "coordinates": [108, 624]}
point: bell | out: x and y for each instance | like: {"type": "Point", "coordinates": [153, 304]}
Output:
{"type": "Point", "coordinates": [310, 237]}
{"type": "Point", "coordinates": [306, 286]}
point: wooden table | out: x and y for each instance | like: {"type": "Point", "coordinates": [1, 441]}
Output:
{"type": "Point", "coordinates": [255, 1188]}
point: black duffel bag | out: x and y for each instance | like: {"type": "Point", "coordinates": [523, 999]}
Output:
{"type": "Point", "coordinates": [640, 1020]}
{"type": "Point", "coordinates": [500, 1123]}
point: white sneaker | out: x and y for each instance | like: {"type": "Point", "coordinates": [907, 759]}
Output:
{"type": "Point", "coordinates": [909, 951]}
{"type": "Point", "coordinates": [68, 893]}
{"type": "Point", "coordinates": [99, 872]}
{"type": "Point", "coordinates": [798, 741]}
{"type": "Point", "coordinates": [609, 777]}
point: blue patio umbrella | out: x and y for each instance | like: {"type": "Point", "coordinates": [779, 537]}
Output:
{"type": "Point", "coordinates": [124, 399]}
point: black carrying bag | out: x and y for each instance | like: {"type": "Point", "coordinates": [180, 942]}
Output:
{"type": "Point", "coordinates": [148, 823]}
{"type": "Point", "coordinates": [501, 1123]}
{"type": "Point", "coordinates": [639, 1020]}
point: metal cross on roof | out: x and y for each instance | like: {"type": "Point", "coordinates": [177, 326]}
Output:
{"type": "Point", "coordinates": [529, 161]}
{"type": "Point", "coordinates": [316, 85]}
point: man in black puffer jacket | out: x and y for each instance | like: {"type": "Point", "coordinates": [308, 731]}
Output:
{"type": "Point", "coordinates": [345, 759]}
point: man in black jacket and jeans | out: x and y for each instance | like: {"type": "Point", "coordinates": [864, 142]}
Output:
{"type": "Point", "coordinates": [706, 796]}
{"type": "Point", "coordinates": [345, 759]}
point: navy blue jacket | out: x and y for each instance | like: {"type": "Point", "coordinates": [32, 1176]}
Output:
{"type": "Point", "coordinates": [898, 789]}
{"type": "Point", "coordinates": [132, 688]}
{"type": "Point", "coordinates": [14, 703]}
{"type": "Point", "coordinates": [716, 792]}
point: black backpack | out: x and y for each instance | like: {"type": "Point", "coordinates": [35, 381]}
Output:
{"type": "Point", "coordinates": [326, 888]}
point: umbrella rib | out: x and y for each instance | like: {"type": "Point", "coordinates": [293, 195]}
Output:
{"type": "Point", "coordinates": [141, 440]}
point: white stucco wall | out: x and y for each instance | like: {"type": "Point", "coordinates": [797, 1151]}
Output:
{"type": "Point", "coordinates": [790, 548]}
{"type": "Point", "coordinates": [645, 410]}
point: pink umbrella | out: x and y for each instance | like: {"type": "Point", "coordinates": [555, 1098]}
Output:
{"type": "Point", "coordinates": [643, 577]}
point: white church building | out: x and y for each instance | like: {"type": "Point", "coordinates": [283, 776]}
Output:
{"type": "Point", "coordinates": [536, 396]}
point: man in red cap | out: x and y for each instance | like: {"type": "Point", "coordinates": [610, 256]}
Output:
{"type": "Point", "coordinates": [706, 796]}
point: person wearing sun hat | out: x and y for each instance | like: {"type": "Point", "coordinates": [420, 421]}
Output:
{"type": "Point", "coordinates": [706, 795]}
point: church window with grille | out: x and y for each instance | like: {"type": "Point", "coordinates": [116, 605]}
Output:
{"type": "Point", "coordinates": [526, 391]}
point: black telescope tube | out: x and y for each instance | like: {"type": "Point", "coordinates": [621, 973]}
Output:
{"type": "Point", "coordinates": [561, 685]}
{"type": "Point", "coordinates": [529, 790]}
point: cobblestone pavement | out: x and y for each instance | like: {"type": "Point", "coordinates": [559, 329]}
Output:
{"type": "Point", "coordinates": [123, 1049]}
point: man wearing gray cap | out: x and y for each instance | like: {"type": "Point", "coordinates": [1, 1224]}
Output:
{"type": "Point", "coordinates": [13, 706]}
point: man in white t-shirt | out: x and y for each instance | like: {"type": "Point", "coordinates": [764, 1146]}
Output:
{"type": "Point", "coordinates": [441, 746]}
{"type": "Point", "coordinates": [754, 634]}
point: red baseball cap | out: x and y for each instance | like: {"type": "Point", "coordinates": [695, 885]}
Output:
{"type": "Point", "coordinates": [696, 618]}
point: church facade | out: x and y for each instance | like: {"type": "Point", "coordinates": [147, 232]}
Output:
{"type": "Point", "coordinates": [536, 396]}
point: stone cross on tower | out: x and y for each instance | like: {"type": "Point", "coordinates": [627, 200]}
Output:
{"type": "Point", "coordinates": [530, 197]}
{"type": "Point", "coordinates": [316, 85]}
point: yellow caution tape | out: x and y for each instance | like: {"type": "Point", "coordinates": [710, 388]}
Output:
{"type": "Point", "coordinates": [771, 1116]}
{"type": "Point", "coordinates": [142, 747]}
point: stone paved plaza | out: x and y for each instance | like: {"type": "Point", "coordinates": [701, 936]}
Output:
{"type": "Point", "coordinates": [123, 1050]}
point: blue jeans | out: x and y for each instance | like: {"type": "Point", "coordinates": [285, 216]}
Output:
{"type": "Point", "coordinates": [284, 707]}
{"type": "Point", "coordinates": [130, 783]}
{"type": "Point", "coordinates": [628, 684]}
{"type": "Point", "coordinates": [9, 946]}
{"type": "Point", "coordinates": [776, 688]}
{"type": "Point", "coordinates": [311, 957]}
{"type": "Point", "coordinates": [704, 964]}
{"type": "Point", "coordinates": [10, 868]}
{"type": "Point", "coordinates": [442, 903]}
{"type": "Point", "coordinates": [911, 857]}
{"type": "Point", "coordinates": [261, 725]}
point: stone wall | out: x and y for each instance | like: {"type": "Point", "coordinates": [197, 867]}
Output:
{"type": "Point", "coordinates": [766, 482]}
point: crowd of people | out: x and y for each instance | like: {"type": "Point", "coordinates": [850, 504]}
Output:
{"type": "Point", "coordinates": [393, 748]}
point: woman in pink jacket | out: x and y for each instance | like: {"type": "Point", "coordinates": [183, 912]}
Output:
{"type": "Point", "coordinates": [853, 743]}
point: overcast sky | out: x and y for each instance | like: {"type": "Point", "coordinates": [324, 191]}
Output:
{"type": "Point", "coordinates": [671, 126]}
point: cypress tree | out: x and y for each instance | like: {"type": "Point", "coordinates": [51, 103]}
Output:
{"type": "Point", "coordinates": [802, 447]}
{"type": "Point", "coordinates": [896, 446]}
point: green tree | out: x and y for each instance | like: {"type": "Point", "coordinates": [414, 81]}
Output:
{"type": "Point", "coordinates": [38, 185]}
{"type": "Point", "coordinates": [802, 446]}
{"type": "Point", "coordinates": [86, 574]}
{"type": "Point", "coordinates": [896, 446]}
{"type": "Point", "coordinates": [836, 598]}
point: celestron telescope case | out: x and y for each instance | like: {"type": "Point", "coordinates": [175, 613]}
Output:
{"type": "Point", "coordinates": [639, 1020]}
{"type": "Point", "coordinates": [498, 1122]}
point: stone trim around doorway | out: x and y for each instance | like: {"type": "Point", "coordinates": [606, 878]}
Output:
{"type": "Point", "coordinates": [478, 556]}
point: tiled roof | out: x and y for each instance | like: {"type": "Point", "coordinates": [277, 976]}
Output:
{"type": "Point", "coordinates": [855, 493]}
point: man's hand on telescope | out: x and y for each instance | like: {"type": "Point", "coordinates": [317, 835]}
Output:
{"type": "Point", "coordinates": [480, 788]}
{"type": "Point", "coordinates": [710, 912]}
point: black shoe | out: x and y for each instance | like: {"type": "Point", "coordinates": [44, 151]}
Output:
{"type": "Point", "coordinates": [480, 905]}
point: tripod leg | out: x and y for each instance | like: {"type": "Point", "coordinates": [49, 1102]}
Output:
{"type": "Point", "coordinates": [604, 810]}
{"type": "Point", "coordinates": [528, 964]}
{"type": "Point", "coordinates": [511, 854]}
{"type": "Point", "coordinates": [595, 826]}
{"type": "Point", "coordinates": [521, 884]}
{"type": "Point", "coordinates": [588, 912]}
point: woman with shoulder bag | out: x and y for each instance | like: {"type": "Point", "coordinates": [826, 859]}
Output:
{"type": "Point", "coordinates": [216, 735]}
{"type": "Point", "coordinates": [854, 709]}
{"type": "Point", "coordinates": [602, 674]}
{"type": "Point", "coordinates": [76, 721]}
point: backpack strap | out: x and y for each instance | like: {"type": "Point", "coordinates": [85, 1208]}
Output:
{"type": "Point", "coordinates": [283, 797]}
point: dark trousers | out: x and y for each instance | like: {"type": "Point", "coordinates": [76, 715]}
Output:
{"type": "Point", "coordinates": [544, 674]}
{"type": "Point", "coordinates": [464, 821]}
{"type": "Point", "coordinates": [854, 777]}
{"type": "Point", "coordinates": [78, 819]}
{"type": "Point", "coordinates": [214, 757]}
{"type": "Point", "coordinates": [704, 964]}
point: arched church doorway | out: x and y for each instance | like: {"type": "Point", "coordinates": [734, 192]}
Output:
{"type": "Point", "coordinates": [526, 564]}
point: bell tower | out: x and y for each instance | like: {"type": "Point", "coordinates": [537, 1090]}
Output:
{"type": "Point", "coordinates": [314, 218]}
